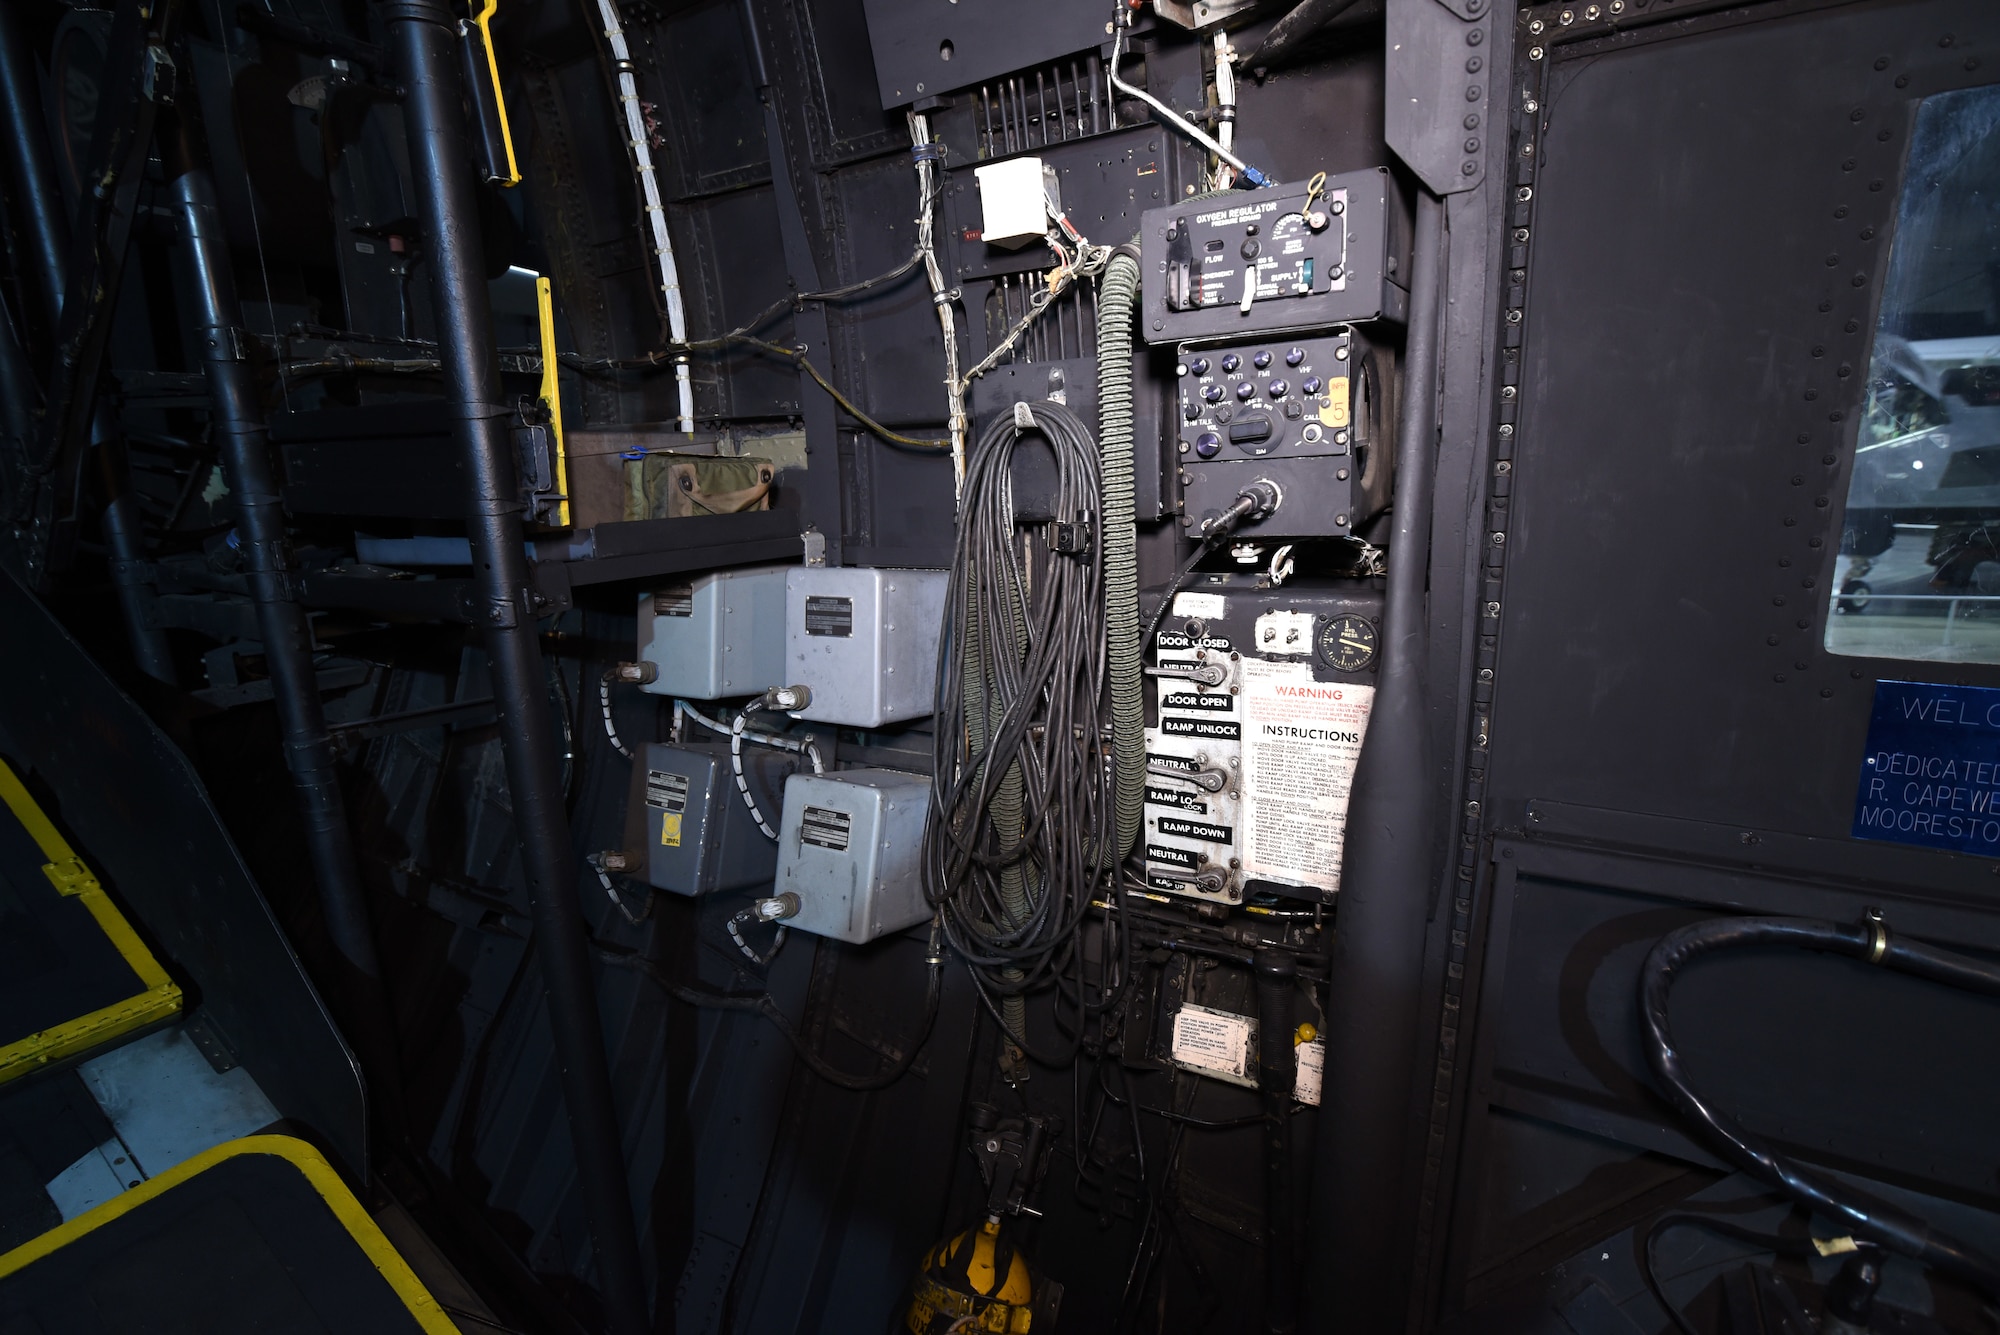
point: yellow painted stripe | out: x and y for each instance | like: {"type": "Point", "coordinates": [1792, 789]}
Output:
{"type": "Point", "coordinates": [545, 310]}
{"type": "Point", "coordinates": [160, 999]}
{"type": "Point", "coordinates": [317, 1171]}
{"type": "Point", "coordinates": [483, 19]}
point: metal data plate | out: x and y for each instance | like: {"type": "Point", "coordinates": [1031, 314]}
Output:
{"type": "Point", "coordinates": [1299, 265]}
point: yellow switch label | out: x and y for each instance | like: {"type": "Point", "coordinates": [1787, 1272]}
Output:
{"type": "Point", "coordinates": [1333, 412]}
{"type": "Point", "coordinates": [670, 829]}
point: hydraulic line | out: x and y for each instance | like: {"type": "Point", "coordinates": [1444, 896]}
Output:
{"type": "Point", "coordinates": [1117, 303]}
{"type": "Point", "coordinates": [1869, 941]}
{"type": "Point", "coordinates": [637, 141]}
{"type": "Point", "coordinates": [420, 37]}
{"type": "Point", "coordinates": [243, 441]}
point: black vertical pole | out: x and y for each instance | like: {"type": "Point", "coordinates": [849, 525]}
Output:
{"type": "Point", "coordinates": [422, 44]}
{"type": "Point", "coordinates": [30, 169]}
{"type": "Point", "coordinates": [1360, 1201]}
{"type": "Point", "coordinates": [243, 439]}
{"type": "Point", "coordinates": [124, 543]}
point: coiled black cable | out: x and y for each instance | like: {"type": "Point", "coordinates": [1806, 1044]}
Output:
{"type": "Point", "coordinates": [1022, 808]}
{"type": "Point", "coordinates": [1872, 942]}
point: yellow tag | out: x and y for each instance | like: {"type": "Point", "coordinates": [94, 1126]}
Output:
{"type": "Point", "coordinates": [1834, 1246]}
{"type": "Point", "coordinates": [670, 829]}
{"type": "Point", "coordinates": [1334, 411]}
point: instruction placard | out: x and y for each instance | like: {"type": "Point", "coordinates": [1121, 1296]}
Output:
{"type": "Point", "coordinates": [1214, 1042]}
{"type": "Point", "coordinates": [1301, 739]}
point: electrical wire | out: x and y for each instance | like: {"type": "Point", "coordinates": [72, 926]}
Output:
{"type": "Point", "coordinates": [1769, 1242]}
{"type": "Point", "coordinates": [1122, 24]}
{"type": "Point", "coordinates": [926, 155]}
{"type": "Point", "coordinates": [763, 1004]}
{"type": "Point", "coordinates": [1022, 821]}
{"type": "Point", "coordinates": [638, 141]}
{"type": "Point", "coordinates": [604, 705]}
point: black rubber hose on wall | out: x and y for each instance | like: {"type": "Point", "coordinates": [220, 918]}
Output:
{"type": "Point", "coordinates": [1872, 942]}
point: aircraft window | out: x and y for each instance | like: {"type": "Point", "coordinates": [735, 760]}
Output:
{"type": "Point", "coordinates": [1918, 575]}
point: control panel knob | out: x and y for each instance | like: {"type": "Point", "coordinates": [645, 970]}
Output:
{"type": "Point", "coordinates": [1261, 360]}
{"type": "Point", "coordinates": [1310, 385]}
{"type": "Point", "coordinates": [1199, 366]}
{"type": "Point", "coordinates": [1245, 390]}
{"type": "Point", "coordinates": [1295, 356]}
{"type": "Point", "coordinates": [1213, 393]}
{"type": "Point", "coordinates": [1231, 361]}
{"type": "Point", "coordinates": [1193, 410]}
{"type": "Point", "coordinates": [1208, 444]}
{"type": "Point", "coordinates": [1279, 389]}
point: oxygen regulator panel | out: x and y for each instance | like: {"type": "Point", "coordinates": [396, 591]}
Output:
{"type": "Point", "coordinates": [1308, 416]}
{"type": "Point", "coordinates": [1310, 253]}
{"type": "Point", "coordinates": [1259, 705]}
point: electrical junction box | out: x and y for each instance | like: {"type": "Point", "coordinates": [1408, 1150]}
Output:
{"type": "Point", "coordinates": [688, 820]}
{"type": "Point", "coordinates": [1287, 257]}
{"type": "Point", "coordinates": [865, 641]}
{"type": "Point", "coordinates": [1014, 200]}
{"type": "Point", "coordinates": [716, 635]}
{"type": "Point", "coordinates": [851, 849]}
{"type": "Point", "coordinates": [1309, 414]}
{"type": "Point", "coordinates": [1260, 704]}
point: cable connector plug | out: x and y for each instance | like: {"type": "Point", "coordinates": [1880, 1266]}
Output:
{"type": "Point", "coordinates": [617, 861]}
{"type": "Point", "coordinates": [635, 674]}
{"type": "Point", "coordinates": [776, 908]}
{"type": "Point", "coordinates": [786, 699]}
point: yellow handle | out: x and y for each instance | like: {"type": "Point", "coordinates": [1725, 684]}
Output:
{"type": "Point", "coordinates": [484, 19]}
{"type": "Point", "coordinates": [551, 394]}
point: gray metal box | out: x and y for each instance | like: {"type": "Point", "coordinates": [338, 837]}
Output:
{"type": "Point", "coordinates": [865, 641]}
{"type": "Point", "coordinates": [851, 849]}
{"type": "Point", "coordinates": [688, 819]}
{"type": "Point", "coordinates": [717, 635]}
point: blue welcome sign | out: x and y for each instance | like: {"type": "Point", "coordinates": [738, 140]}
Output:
{"type": "Point", "coordinates": [1932, 772]}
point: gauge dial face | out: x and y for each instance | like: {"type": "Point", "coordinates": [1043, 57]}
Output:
{"type": "Point", "coordinates": [1347, 643]}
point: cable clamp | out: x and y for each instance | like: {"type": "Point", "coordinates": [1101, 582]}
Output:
{"type": "Point", "coordinates": [1878, 934]}
{"type": "Point", "coordinates": [931, 152]}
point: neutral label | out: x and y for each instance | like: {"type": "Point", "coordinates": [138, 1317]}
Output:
{"type": "Point", "coordinates": [1194, 829]}
{"type": "Point", "coordinates": [826, 827]}
{"type": "Point", "coordinates": [666, 790]}
{"type": "Point", "coordinates": [829, 616]}
{"type": "Point", "coordinates": [1205, 606]}
{"type": "Point", "coordinates": [1190, 700]}
{"type": "Point", "coordinates": [1200, 727]}
{"type": "Point", "coordinates": [1173, 857]}
{"type": "Point", "coordinates": [1169, 797]}
{"type": "Point", "coordinates": [1301, 740]}
{"type": "Point", "coordinates": [676, 600]}
{"type": "Point", "coordinates": [1213, 1041]}
{"type": "Point", "coordinates": [1182, 764]}
{"type": "Point", "coordinates": [1312, 1064]}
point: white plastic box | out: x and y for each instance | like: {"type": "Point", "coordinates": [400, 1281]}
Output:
{"type": "Point", "coordinates": [716, 635]}
{"type": "Point", "coordinates": [865, 641]}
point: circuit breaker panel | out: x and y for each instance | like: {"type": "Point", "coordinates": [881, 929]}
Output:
{"type": "Point", "coordinates": [1259, 705]}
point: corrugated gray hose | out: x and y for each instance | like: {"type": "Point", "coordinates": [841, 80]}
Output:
{"type": "Point", "coordinates": [1117, 298]}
